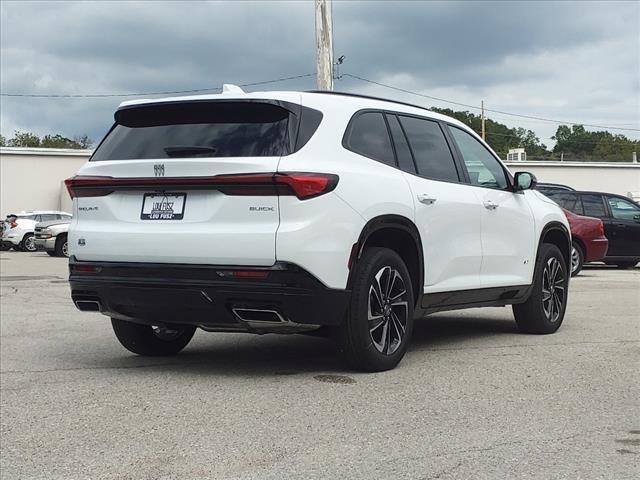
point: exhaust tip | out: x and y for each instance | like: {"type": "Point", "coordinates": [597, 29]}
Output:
{"type": "Point", "coordinates": [88, 305]}
{"type": "Point", "coordinates": [258, 315]}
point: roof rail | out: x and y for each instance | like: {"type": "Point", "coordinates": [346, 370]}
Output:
{"type": "Point", "coordinates": [370, 97]}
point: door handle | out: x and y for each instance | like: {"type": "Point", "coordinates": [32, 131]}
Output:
{"type": "Point", "coordinates": [426, 199]}
{"type": "Point", "coordinates": [489, 205]}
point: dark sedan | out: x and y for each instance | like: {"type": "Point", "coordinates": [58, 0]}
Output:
{"type": "Point", "coordinates": [620, 216]}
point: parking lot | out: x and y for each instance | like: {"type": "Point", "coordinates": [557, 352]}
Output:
{"type": "Point", "coordinates": [472, 398]}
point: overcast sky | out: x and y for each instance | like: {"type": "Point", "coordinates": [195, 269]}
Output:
{"type": "Point", "coordinates": [574, 61]}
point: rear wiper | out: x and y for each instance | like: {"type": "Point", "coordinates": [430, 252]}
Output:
{"type": "Point", "coordinates": [174, 151]}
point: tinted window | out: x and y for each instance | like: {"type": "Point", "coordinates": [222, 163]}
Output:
{"type": "Point", "coordinates": [565, 200]}
{"type": "Point", "coordinates": [369, 136]}
{"type": "Point", "coordinates": [623, 209]}
{"type": "Point", "coordinates": [484, 169]}
{"type": "Point", "coordinates": [592, 205]}
{"type": "Point", "coordinates": [430, 149]}
{"type": "Point", "coordinates": [405, 160]}
{"type": "Point", "coordinates": [197, 129]}
{"type": "Point", "coordinates": [47, 217]}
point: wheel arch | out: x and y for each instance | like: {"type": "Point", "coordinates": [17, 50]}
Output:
{"type": "Point", "coordinates": [399, 234]}
{"type": "Point", "coordinates": [556, 234]}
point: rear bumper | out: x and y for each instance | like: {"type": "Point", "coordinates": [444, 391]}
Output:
{"type": "Point", "coordinates": [10, 241]}
{"type": "Point", "coordinates": [209, 296]}
{"type": "Point", "coordinates": [596, 249]}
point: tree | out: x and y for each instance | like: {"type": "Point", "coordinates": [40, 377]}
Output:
{"type": "Point", "coordinates": [24, 139]}
{"type": "Point", "coordinates": [3, 141]}
{"type": "Point", "coordinates": [577, 143]}
{"type": "Point", "coordinates": [500, 137]}
{"type": "Point", "coordinates": [28, 139]}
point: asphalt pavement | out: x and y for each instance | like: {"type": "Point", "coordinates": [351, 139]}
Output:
{"type": "Point", "coordinates": [473, 399]}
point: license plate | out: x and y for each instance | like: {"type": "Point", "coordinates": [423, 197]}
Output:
{"type": "Point", "coordinates": [163, 206]}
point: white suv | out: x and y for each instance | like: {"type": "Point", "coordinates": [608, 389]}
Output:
{"type": "Point", "coordinates": [18, 229]}
{"type": "Point", "coordinates": [286, 212]}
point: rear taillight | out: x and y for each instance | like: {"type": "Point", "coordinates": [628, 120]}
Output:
{"type": "Point", "coordinates": [89, 186]}
{"type": "Point", "coordinates": [86, 268]}
{"type": "Point", "coordinates": [302, 185]}
{"type": "Point", "coordinates": [13, 224]}
{"type": "Point", "coordinates": [307, 185]}
{"type": "Point", "coordinates": [601, 229]}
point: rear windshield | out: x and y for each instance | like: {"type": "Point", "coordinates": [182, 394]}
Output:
{"type": "Point", "coordinates": [198, 129]}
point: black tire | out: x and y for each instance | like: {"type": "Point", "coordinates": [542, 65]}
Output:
{"type": "Point", "coordinates": [52, 253]}
{"type": "Point", "coordinates": [4, 248]}
{"type": "Point", "coordinates": [149, 341]}
{"type": "Point", "coordinates": [577, 259]}
{"type": "Point", "coordinates": [629, 264]}
{"type": "Point", "coordinates": [28, 243]}
{"type": "Point", "coordinates": [544, 310]}
{"type": "Point", "coordinates": [61, 246]}
{"type": "Point", "coordinates": [382, 346]}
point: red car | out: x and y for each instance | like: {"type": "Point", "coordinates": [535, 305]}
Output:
{"type": "Point", "coordinates": [588, 241]}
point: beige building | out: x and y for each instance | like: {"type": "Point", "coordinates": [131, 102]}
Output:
{"type": "Point", "coordinates": [615, 177]}
{"type": "Point", "coordinates": [32, 178]}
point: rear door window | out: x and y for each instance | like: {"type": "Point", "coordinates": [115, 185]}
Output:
{"type": "Point", "coordinates": [431, 152]}
{"type": "Point", "coordinates": [566, 200]}
{"type": "Point", "coordinates": [198, 129]}
{"type": "Point", "coordinates": [368, 135]}
{"type": "Point", "coordinates": [593, 206]}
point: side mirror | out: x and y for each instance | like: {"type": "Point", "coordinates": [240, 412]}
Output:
{"type": "Point", "coordinates": [524, 181]}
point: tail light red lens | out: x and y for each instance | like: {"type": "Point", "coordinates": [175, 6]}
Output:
{"type": "Point", "coordinates": [13, 224]}
{"type": "Point", "coordinates": [89, 186]}
{"type": "Point", "coordinates": [601, 229]}
{"type": "Point", "coordinates": [302, 185]}
{"type": "Point", "coordinates": [86, 268]}
{"type": "Point", "coordinates": [307, 185]}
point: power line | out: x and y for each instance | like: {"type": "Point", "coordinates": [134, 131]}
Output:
{"type": "Point", "coordinates": [532, 117]}
{"type": "Point", "coordinates": [139, 94]}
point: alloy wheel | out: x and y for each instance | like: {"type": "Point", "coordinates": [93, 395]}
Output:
{"type": "Point", "coordinates": [387, 310]}
{"type": "Point", "coordinates": [65, 249]}
{"type": "Point", "coordinates": [575, 259]}
{"type": "Point", "coordinates": [30, 244]}
{"type": "Point", "coordinates": [553, 289]}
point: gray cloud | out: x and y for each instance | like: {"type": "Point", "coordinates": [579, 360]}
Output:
{"type": "Point", "coordinates": [569, 60]}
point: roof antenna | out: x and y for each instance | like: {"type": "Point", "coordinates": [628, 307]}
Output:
{"type": "Point", "coordinates": [230, 88]}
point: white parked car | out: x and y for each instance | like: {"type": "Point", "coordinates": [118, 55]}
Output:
{"type": "Point", "coordinates": [293, 211]}
{"type": "Point", "coordinates": [51, 237]}
{"type": "Point", "coordinates": [19, 229]}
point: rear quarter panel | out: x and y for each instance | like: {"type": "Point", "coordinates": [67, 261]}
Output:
{"type": "Point", "coordinates": [320, 232]}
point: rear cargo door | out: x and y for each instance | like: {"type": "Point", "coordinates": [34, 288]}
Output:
{"type": "Point", "coordinates": [184, 182]}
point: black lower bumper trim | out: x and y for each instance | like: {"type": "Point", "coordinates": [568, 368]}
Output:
{"type": "Point", "coordinates": [203, 294]}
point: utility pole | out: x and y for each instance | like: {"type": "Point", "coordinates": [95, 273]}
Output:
{"type": "Point", "coordinates": [634, 157]}
{"type": "Point", "coordinates": [324, 45]}
{"type": "Point", "coordinates": [483, 130]}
